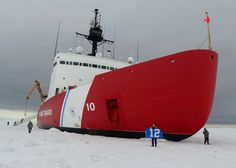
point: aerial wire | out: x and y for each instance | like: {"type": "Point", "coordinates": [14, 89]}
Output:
{"type": "Point", "coordinates": [58, 33]}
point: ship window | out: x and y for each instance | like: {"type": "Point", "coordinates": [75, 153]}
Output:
{"type": "Point", "coordinates": [108, 67]}
{"type": "Point", "coordinates": [89, 65]}
{"type": "Point", "coordinates": [70, 63]}
{"type": "Point", "coordinates": [99, 66]}
{"type": "Point", "coordinates": [75, 63]}
{"type": "Point", "coordinates": [80, 64]}
{"type": "Point", "coordinates": [62, 62]}
{"type": "Point", "coordinates": [112, 68]}
{"type": "Point", "coordinates": [67, 62]}
{"type": "Point", "coordinates": [104, 67]}
{"type": "Point", "coordinates": [85, 64]}
{"type": "Point", "coordinates": [94, 65]}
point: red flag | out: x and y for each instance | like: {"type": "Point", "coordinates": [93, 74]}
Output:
{"type": "Point", "coordinates": [207, 19]}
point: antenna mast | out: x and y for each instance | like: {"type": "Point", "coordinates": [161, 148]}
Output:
{"type": "Point", "coordinates": [137, 50]}
{"type": "Point", "coordinates": [58, 31]}
{"type": "Point", "coordinates": [95, 33]}
{"type": "Point", "coordinates": [208, 20]}
{"type": "Point", "coordinates": [114, 45]}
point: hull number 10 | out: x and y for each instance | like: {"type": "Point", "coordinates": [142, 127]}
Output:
{"type": "Point", "coordinates": [90, 106]}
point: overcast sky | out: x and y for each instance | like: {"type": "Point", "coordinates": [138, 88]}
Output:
{"type": "Point", "coordinates": [28, 32]}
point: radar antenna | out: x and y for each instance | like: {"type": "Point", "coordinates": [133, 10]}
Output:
{"type": "Point", "coordinates": [95, 36]}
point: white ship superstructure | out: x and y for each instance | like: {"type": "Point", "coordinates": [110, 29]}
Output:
{"type": "Point", "coordinates": [76, 69]}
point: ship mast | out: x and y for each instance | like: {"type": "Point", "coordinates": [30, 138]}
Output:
{"type": "Point", "coordinates": [95, 36]}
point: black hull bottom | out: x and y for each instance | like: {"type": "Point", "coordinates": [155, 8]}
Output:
{"type": "Point", "coordinates": [118, 134]}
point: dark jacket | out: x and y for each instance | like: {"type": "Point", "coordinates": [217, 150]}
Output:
{"type": "Point", "coordinates": [205, 133]}
{"type": "Point", "coordinates": [30, 125]}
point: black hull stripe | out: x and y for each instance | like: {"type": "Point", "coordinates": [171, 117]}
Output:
{"type": "Point", "coordinates": [118, 134]}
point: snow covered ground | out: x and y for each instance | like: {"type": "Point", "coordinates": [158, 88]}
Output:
{"type": "Point", "coordinates": [55, 149]}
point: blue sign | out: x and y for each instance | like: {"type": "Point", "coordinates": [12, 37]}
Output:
{"type": "Point", "coordinates": [154, 133]}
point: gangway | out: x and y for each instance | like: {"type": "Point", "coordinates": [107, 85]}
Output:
{"type": "Point", "coordinates": [24, 119]}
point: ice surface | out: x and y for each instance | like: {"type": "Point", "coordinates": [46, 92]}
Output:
{"type": "Point", "coordinates": [55, 149]}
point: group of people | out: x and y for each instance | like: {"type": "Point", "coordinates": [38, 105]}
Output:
{"type": "Point", "coordinates": [29, 125]}
{"type": "Point", "coordinates": [154, 139]}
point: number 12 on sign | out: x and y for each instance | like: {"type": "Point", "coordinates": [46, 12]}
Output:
{"type": "Point", "coordinates": [154, 133]}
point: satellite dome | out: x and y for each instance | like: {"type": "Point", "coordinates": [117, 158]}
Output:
{"type": "Point", "coordinates": [99, 54]}
{"type": "Point", "coordinates": [130, 60]}
{"type": "Point", "coordinates": [79, 50]}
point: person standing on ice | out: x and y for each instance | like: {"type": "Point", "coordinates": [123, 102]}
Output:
{"type": "Point", "coordinates": [30, 126]}
{"type": "Point", "coordinates": [153, 137]}
{"type": "Point", "coordinates": [206, 136]}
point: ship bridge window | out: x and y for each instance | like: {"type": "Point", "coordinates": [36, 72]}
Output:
{"type": "Point", "coordinates": [104, 67]}
{"type": "Point", "coordinates": [62, 62]}
{"type": "Point", "coordinates": [112, 68]}
{"type": "Point", "coordinates": [70, 62]}
{"type": "Point", "coordinates": [94, 65]}
{"type": "Point", "coordinates": [85, 64]}
{"type": "Point", "coordinates": [90, 65]}
{"type": "Point", "coordinates": [75, 63]}
{"type": "Point", "coordinates": [67, 62]}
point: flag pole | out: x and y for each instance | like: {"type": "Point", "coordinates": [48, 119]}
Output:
{"type": "Point", "coordinates": [209, 34]}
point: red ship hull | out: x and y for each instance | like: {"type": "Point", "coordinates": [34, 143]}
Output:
{"type": "Point", "coordinates": [175, 92]}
